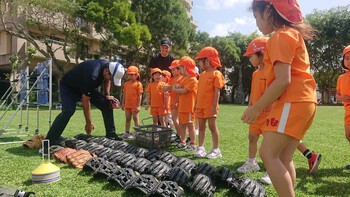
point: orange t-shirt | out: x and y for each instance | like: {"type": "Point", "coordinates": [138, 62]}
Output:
{"type": "Point", "coordinates": [207, 83]}
{"type": "Point", "coordinates": [173, 94]}
{"type": "Point", "coordinates": [258, 85]}
{"type": "Point", "coordinates": [287, 45]}
{"type": "Point", "coordinates": [132, 91]}
{"type": "Point", "coordinates": [343, 87]}
{"type": "Point", "coordinates": [186, 101]}
{"type": "Point", "coordinates": [156, 94]}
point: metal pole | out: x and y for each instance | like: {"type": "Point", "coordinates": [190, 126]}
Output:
{"type": "Point", "coordinates": [20, 105]}
{"type": "Point", "coordinates": [50, 91]}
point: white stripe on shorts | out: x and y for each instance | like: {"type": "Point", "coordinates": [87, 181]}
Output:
{"type": "Point", "coordinates": [284, 117]}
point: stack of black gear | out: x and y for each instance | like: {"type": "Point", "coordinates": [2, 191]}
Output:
{"type": "Point", "coordinates": [154, 173]}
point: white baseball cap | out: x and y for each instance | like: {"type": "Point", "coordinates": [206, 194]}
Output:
{"type": "Point", "coordinates": [117, 71]}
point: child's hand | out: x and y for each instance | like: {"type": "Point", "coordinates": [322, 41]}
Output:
{"type": "Point", "coordinates": [346, 98]}
{"type": "Point", "coordinates": [166, 88]}
{"type": "Point", "coordinates": [138, 108]}
{"type": "Point", "coordinates": [122, 107]}
{"type": "Point", "coordinates": [214, 111]}
{"type": "Point", "coordinates": [250, 115]}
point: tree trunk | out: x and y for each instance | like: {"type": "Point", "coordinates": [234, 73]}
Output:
{"type": "Point", "coordinates": [239, 90]}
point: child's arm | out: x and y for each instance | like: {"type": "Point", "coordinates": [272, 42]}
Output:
{"type": "Point", "coordinates": [148, 100]}
{"type": "Point", "coordinates": [139, 100]}
{"type": "Point", "coordinates": [342, 98]}
{"type": "Point", "coordinates": [166, 100]}
{"type": "Point", "coordinates": [215, 101]}
{"type": "Point", "coordinates": [179, 90]}
{"type": "Point", "coordinates": [277, 87]}
{"type": "Point", "coordinates": [123, 101]}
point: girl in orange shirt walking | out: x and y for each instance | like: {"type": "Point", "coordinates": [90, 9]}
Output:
{"type": "Point", "coordinates": [291, 89]}
{"type": "Point", "coordinates": [131, 100]}
{"type": "Point", "coordinates": [343, 92]}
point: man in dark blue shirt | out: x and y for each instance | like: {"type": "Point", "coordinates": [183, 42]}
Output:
{"type": "Point", "coordinates": [80, 84]}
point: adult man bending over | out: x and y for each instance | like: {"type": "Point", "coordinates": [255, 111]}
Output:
{"type": "Point", "coordinates": [80, 84]}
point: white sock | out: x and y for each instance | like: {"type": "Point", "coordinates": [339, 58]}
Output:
{"type": "Point", "coordinates": [252, 160]}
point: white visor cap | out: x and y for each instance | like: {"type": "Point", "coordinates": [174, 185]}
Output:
{"type": "Point", "coordinates": [117, 70]}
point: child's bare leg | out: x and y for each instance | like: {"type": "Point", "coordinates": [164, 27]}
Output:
{"type": "Point", "coordinates": [161, 120]}
{"type": "Point", "coordinates": [272, 146]}
{"type": "Point", "coordinates": [214, 132]}
{"type": "Point", "coordinates": [287, 159]}
{"type": "Point", "coordinates": [155, 120]}
{"type": "Point", "coordinates": [202, 127]}
{"type": "Point", "coordinates": [127, 121]}
{"type": "Point", "coordinates": [347, 132]}
{"type": "Point", "coordinates": [135, 116]}
{"type": "Point", "coordinates": [191, 132]}
{"type": "Point", "coordinates": [253, 144]}
{"type": "Point", "coordinates": [182, 132]}
{"type": "Point", "coordinates": [174, 116]}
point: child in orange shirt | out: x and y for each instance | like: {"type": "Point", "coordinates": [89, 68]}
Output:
{"type": "Point", "coordinates": [211, 81]}
{"type": "Point", "coordinates": [131, 99]}
{"type": "Point", "coordinates": [343, 92]}
{"type": "Point", "coordinates": [291, 89]}
{"type": "Point", "coordinates": [255, 51]}
{"type": "Point", "coordinates": [175, 70]}
{"type": "Point", "coordinates": [165, 77]}
{"type": "Point", "coordinates": [187, 90]}
{"type": "Point", "coordinates": [156, 98]}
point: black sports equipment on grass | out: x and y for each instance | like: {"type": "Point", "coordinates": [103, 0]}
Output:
{"type": "Point", "coordinates": [114, 155]}
{"type": "Point", "coordinates": [106, 169]}
{"type": "Point", "coordinates": [169, 188]}
{"type": "Point", "coordinates": [152, 155]}
{"type": "Point", "coordinates": [158, 169]}
{"type": "Point", "coordinates": [202, 185]}
{"type": "Point", "coordinates": [179, 175]}
{"type": "Point", "coordinates": [248, 187]}
{"type": "Point", "coordinates": [141, 164]}
{"type": "Point", "coordinates": [123, 177]}
{"type": "Point", "coordinates": [141, 152]}
{"type": "Point", "coordinates": [146, 183]}
{"type": "Point", "coordinates": [185, 163]}
{"type": "Point", "coordinates": [93, 164]}
{"type": "Point", "coordinates": [168, 158]}
{"type": "Point", "coordinates": [204, 168]}
{"type": "Point", "coordinates": [127, 160]}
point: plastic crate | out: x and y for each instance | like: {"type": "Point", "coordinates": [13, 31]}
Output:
{"type": "Point", "coordinates": [153, 136]}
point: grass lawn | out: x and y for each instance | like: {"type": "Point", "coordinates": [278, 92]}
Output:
{"type": "Point", "coordinates": [326, 136]}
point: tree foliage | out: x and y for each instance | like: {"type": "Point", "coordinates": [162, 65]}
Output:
{"type": "Point", "coordinates": [325, 50]}
{"type": "Point", "coordinates": [55, 28]}
{"type": "Point", "coordinates": [164, 19]}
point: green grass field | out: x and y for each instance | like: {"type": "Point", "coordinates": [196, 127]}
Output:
{"type": "Point", "coordinates": [326, 136]}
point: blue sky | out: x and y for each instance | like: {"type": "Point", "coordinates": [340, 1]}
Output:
{"type": "Point", "coordinates": [218, 17]}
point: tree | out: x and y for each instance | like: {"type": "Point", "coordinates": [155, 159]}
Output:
{"type": "Point", "coordinates": [242, 72]}
{"type": "Point", "coordinates": [325, 50]}
{"type": "Point", "coordinates": [164, 19]}
{"type": "Point", "coordinates": [55, 28]}
{"type": "Point", "coordinates": [229, 55]}
{"type": "Point", "coordinates": [116, 23]}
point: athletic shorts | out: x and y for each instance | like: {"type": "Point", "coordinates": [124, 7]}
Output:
{"type": "Point", "coordinates": [292, 119]}
{"type": "Point", "coordinates": [129, 109]}
{"type": "Point", "coordinates": [204, 113]}
{"type": "Point", "coordinates": [347, 115]}
{"type": "Point", "coordinates": [157, 111]}
{"type": "Point", "coordinates": [186, 117]}
{"type": "Point", "coordinates": [257, 126]}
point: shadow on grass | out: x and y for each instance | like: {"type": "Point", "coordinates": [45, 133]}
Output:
{"type": "Point", "coordinates": [21, 151]}
{"type": "Point", "coordinates": [326, 180]}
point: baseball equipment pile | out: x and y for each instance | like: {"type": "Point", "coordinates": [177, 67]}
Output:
{"type": "Point", "coordinates": [149, 172]}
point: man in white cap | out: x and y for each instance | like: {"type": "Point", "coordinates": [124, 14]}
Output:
{"type": "Point", "coordinates": [80, 84]}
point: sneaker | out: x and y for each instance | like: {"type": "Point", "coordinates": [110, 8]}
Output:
{"type": "Point", "coordinates": [248, 167]}
{"type": "Point", "coordinates": [266, 179]}
{"type": "Point", "coordinates": [214, 153]}
{"type": "Point", "coordinates": [314, 161]}
{"type": "Point", "coordinates": [200, 152]}
{"type": "Point", "coordinates": [180, 145]}
{"type": "Point", "coordinates": [125, 135]}
{"type": "Point", "coordinates": [132, 136]}
{"type": "Point", "coordinates": [114, 137]}
{"type": "Point", "coordinates": [188, 140]}
{"type": "Point", "coordinates": [177, 139]}
{"type": "Point", "coordinates": [191, 147]}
